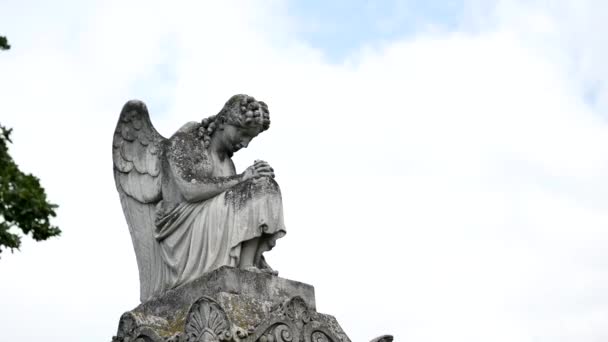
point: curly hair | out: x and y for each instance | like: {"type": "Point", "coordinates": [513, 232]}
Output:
{"type": "Point", "coordinates": [241, 111]}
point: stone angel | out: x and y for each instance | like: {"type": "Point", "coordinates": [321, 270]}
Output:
{"type": "Point", "coordinates": [187, 209]}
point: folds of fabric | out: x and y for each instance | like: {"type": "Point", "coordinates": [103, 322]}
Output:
{"type": "Point", "coordinates": [199, 237]}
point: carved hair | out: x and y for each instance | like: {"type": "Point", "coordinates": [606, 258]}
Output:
{"type": "Point", "coordinates": [240, 111]}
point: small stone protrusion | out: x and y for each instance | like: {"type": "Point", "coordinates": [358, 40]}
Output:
{"type": "Point", "coordinates": [383, 338]}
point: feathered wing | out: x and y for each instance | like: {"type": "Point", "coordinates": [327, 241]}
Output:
{"type": "Point", "coordinates": [137, 154]}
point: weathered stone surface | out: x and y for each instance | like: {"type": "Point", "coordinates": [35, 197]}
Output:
{"type": "Point", "coordinates": [229, 280]}
{"type": "Point", "coordinates": [193, 219]}
{"type": "Point", "coordinates": [189, 212]}
{"type": "Point", "coordinates": [243, 305]}
{"type": "Point", "coordinates": [383, 338]}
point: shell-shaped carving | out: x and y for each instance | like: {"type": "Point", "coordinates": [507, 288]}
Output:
{"type": "Point", "coordinates": [207, 322]}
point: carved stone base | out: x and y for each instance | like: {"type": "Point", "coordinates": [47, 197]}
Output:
{"type": "Point", "coordinates": [233, 305]}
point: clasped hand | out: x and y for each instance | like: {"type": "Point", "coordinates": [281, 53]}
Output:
{"type": "Point", "coordinates": [259, 169]}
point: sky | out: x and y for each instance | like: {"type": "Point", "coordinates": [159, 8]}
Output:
{"type": "Point", "coordinates": [442, 163]}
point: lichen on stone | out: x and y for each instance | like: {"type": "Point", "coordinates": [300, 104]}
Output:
{"type": "Point", "coordinates": [240, 194]}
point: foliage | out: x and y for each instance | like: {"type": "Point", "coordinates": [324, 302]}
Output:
{"type": "Point", "coordinates": [23, 201]}
{"type": "Point", "coordinates": [4, 45]}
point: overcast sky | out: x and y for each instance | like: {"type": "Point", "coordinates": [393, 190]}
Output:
{"type": "Point", "coordinates": [443, 164]}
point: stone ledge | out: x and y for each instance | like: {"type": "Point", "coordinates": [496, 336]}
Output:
{"type": "Point", "coordinates": [207, 320]}
{"type": "Point", "coordinates": [232, 305]}
{"type": "Point", "coordinates": [259, 286]}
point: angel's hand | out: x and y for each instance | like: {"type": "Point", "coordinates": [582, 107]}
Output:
{"type": "Point", "coordinates": [263, 168]}
{"type": "Point", "coordinates": [249, 173]}
{"type": "Point", "coordinates": [257, 170]}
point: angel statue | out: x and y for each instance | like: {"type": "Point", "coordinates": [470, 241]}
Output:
{"type": "Point", "coordinates": [187, 209]}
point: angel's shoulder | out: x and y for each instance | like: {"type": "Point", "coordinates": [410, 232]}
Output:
{"type": "Point", "coordinates": [185, 139]}
{"type": "Point", "coordinates": [187, 151]}
{"type": "Point", "coordinates": [189, 127]}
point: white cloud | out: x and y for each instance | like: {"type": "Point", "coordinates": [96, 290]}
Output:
{"type": "Point", "coordinates": [447, 186]}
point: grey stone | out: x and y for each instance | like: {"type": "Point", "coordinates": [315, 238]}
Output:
{"type": "Point", "coordinates": [199, 231]}
{"type": "Point", "coordinates": [230, 304]}
{"type": "Point", "coordinates": [188, 210]}
{"type": "Point", "coordinates": [229, 280]}
{"type": "Point", "coordinates": [383, 338]}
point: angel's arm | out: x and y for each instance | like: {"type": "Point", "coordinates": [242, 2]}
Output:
{"type": "Point", "coordinates": [196, 188]}
{"type": "Point", "coordinates": [203, 188]}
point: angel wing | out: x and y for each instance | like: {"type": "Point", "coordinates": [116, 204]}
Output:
{"type": "Point", "coordinates": [137, 153]}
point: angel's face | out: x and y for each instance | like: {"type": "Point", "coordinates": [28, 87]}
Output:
{"type": "Point", "coordinates": [235, 138]}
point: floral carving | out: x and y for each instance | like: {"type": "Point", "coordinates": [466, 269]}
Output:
{"type": "Point", "coordinates": [319, 336]}
{"type": "Point", "coordinates": [317, 332]}
{"type": "Point", "coordinates": [296, 310]}
{"type": "Point", "coordinates": [278, 333]}
{"type": "Point", "coordinates": [291, 321]}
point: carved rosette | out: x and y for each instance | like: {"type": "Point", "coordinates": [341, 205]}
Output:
{"type": "Point", "coordinates": [291, 321]}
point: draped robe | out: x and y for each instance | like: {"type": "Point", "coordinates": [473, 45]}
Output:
{"type": "Point", "coordinates": [198, 237]}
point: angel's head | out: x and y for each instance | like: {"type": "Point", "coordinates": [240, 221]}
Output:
{"type": "Point", "coordinates": [240, 120]}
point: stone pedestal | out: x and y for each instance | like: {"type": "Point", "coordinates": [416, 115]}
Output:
{"type": "Point", "coordinates": [230, 304]}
